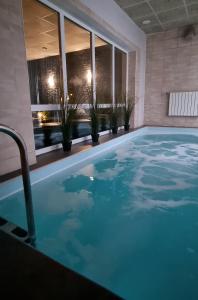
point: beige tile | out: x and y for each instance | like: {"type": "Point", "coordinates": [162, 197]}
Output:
{"type": "Point", "coordinates": [173, 69]}
{"type": "Point", "coordinates": [171, 34]}
{"type": "Point", "coordinates": [184, 43]}
{"type": "Point", "coordinates": [170, 43]}
{"type": "Point", "coordinates": [14, 86]}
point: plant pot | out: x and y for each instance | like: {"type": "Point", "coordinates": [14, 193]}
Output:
{"type": "Point", "coordinates": [114, 130]}
{"type": "Point", "coordinates": [95, 137]}
{"type": "Point", "coordinates": [67, 146]}
{"type": "Point", "coordinates": [126, 127]}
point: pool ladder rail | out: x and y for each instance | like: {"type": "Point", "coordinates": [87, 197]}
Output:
{"type": "Point", "coordinates": [26, 179]}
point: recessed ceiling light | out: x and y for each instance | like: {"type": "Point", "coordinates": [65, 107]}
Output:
{"type": "Point", "coordinates": [146, 22]}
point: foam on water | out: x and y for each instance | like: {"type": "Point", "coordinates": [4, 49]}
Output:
{"type": "Point", "coordinates": [128, 220]}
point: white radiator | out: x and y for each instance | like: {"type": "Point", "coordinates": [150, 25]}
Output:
{"type": "Point", "coordinates": [183, 104]}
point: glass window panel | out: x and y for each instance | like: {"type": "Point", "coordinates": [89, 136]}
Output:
{"type": "Point", "coordinates": [104, 119]}
{"type": "Point", "coordinates": [81, 124]}
{"type": "Point", "coordinates": [103, 57]}
{"type": "Point", "coordinates": [42, 52]}
{"type": "Point", "coordinates": [46, 128]}
{"type": "Point", "coordinates": [120, 76]}
{"type": "Point", "coordinates": [78, 59]}
{"type": "Point", "coordinates": [47, 131]}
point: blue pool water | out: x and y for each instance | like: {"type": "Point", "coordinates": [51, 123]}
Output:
{"type": "Point", "coordinates": [128, 220]}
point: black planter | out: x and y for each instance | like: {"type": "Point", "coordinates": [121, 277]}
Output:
{"type": "Point", "coordinates": [114, 130]}
{"type": "Point", "coordinates": [126, 127]}
{"type": "Point", "coordinates": [95, 137]}
{"type": "Point", "coordinates": [67, 146]}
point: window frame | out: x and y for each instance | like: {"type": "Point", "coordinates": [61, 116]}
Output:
{"type": "Point", "coordinates": [65, 15]}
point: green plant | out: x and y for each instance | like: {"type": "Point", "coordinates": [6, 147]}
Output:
{"type": "Point", "coordinates": [68, 112]}
{"type": "Point", "coordinates": [93, 113]}
{"type": "Point", "coordinates": [94, 117]}
{"type": "Point", "coordinates": [127, 115]}
{"type": "Point", "coordinates": [128, 109]}
{"type": "Point", "coordinates": [114, 115]}
{"type": "Point", "coordinates": [67, 124]}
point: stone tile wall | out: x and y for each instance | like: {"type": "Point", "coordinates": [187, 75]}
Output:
{"type": "Point", "coordinates": [15, 109]}
{"type": "Point", "coordinates": [172, 65]}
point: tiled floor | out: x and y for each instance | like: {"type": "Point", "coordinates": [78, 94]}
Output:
{"type": "Point", "coordinates": [55, 155]}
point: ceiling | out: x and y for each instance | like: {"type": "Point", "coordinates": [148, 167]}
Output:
{"type": "Point", "coordinates": [162, 14]}
{"type": "Point", "coordinates": [42, 32]}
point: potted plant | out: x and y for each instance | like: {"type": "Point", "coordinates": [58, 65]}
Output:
{"type": "Point", "coordinates": [93, 111]}
{"type": "Point", "coordinates": [128, 108]}
{"type": "Point", "coordinates": [114, 119]}
{"type": "Point", "coordinates": [68, 113]}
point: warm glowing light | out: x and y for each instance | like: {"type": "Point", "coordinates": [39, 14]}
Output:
{"type": "Point", "coordinates": [41, 116]}
{"type": "Point", "coordinates": [89, 77]}
{"type": "Point", "coordinates": [51, 81]}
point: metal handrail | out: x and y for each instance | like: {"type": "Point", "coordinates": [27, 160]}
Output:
{"type": "Point", "coordinates": [26, 179]}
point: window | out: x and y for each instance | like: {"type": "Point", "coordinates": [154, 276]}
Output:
{"type": "Point", "coordinates": [78, 60]}
{"type": "Point", "coordinates": [79, 74]}
{"type": "Point", "coordinates": [44, 67]}
{"type": "Point", "coordinates": [120, 76]}
{"type": "Point", "coordinates": [42, 52]}
{"type": "Point", "coordinates": [103, 59]}
{"type": "Point", "coordinates": [45, 63]}
{"type": "Point", "coordinates": [46, 128]}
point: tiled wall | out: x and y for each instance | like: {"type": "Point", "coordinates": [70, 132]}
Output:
{"type": "Point", "coordinates": [172, 65]}
{"type": "Point", "coordinates": [14, 97]}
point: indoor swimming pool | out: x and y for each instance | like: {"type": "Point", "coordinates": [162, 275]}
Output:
{"type": "Point", "coordinates": [123, 214]}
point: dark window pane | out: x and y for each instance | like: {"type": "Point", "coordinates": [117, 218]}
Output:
{"type": "Point", "coordinates": [78, 59]}
{"type": "Point", "coordinates": [103, 52]}
{"type": "Point", "coordinates": [104, 119]}
{"type": "Point", "coordinates": [46, 128]}
{"type": "Point", "coordinates": [120, 76]}
{"type": "Point", "coordinates": [81, 124]}
{"type": "Point", "coordinates": [42, 52]}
